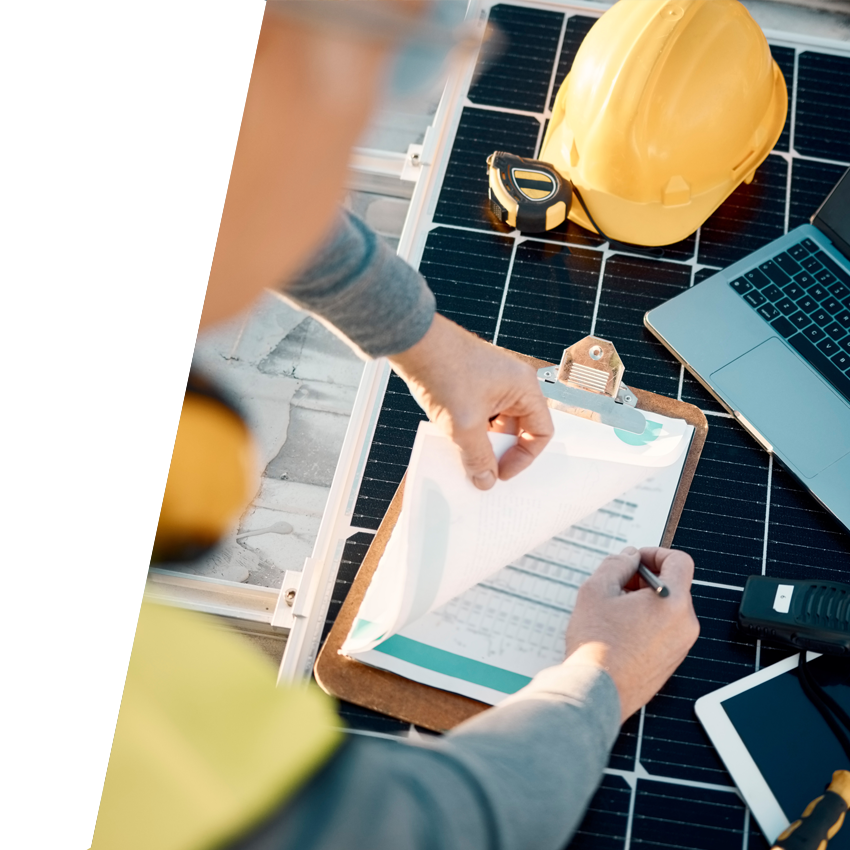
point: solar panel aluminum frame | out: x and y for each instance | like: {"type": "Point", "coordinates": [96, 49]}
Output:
{"type": "Point", "coordinates": [319, 573]}
{"type": "Point", "coordinates": [308, 613]}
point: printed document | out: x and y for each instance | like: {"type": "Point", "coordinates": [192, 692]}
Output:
{"type": "Point", "coordinates": [475, 588]}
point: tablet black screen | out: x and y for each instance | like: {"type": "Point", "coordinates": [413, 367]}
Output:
{"type": "Point", "coordinates": [788, 739]}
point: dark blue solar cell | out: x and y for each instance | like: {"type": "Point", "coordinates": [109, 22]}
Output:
{"type": "Point", "coordinates": [823, 106]}
{"type": "Point", "coordinates": [703, 274]}
{"type": "Point", "coordinates": [352, 557]}
{"type": "Point", "coordinates": [784, 57]}
{"type": "Point", "coordinates": [571, 232]}
{"type": "Point", "coordinates": [756, 839]}
{"type": "Point", "coordinates": [772, 653]}
{"type": "Point", "coordinates": [463, 197]}
{"type": "Point", "coordinates": [722, 525]}
{"type": "Point", "coordinates": [624, 751]}
{"type": "Point", "coordinates": [630, 287]}
{"type": "Point", "coordinates": [518, 75]}
{"type": "Point", "coordinates": [674, 743]}
{"type": "Point", "coordinates": [550, 299]}
{"type": "Point", "coordinates": [805, 541]}
{"type": "Point", "coordinates": [675, 816]}
{"type": "Point", "coordinates": [389, 454]}
{"type": "Point", "coordinates": [542, 137]}
{"type": "Point", "coordinates": [577, 28]}
{"type": "Point", "coordinates": [749, 218]}
{"type": "Point", "coordinates": [811, 182]}
{"type": "Point", "coordinates": [467, 272]}
{"type": "Point", "coordinates": [604, 825]}
{"type": "Point", "coordinates": [681, 250]}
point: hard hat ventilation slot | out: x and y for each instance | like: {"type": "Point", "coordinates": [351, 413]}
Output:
{"type": "Point", "coordinates": [574, 155]}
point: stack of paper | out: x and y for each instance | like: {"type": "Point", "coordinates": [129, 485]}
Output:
{"type": "Point", "coordinates": [475, 588]}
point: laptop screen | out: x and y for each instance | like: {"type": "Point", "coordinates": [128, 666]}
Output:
{"type": "Point", "coordinates": [833, 218]}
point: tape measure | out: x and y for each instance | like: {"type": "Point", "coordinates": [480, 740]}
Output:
{"type": "Point", "coordinates": [527, 194]}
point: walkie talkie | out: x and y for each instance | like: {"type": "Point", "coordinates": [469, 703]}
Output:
{"type": "Point", "coordinates": [807, 614]}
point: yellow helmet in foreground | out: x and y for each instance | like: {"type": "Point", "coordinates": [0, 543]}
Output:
{"type": "Point", "coordinates": [669, 106]}
{"type": "Point", "coordinates": [212, 478]}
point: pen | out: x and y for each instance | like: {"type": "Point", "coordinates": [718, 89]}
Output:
{"type": "Point", "coordinates": [652, 581]}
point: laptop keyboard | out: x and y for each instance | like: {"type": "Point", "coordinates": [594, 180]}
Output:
{"type": "Point", "coordinates": [805, 296]}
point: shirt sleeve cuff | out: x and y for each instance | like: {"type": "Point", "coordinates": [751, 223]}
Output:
{"type": "Point", "coordinates": [579, 685]}
{"type": "Point", "coordinates": [359, 287]}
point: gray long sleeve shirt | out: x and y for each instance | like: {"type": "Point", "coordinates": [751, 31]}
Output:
{"type": "Point", "coordinates": [361, 289]}
{"type": "Point", "coordinates": [517, 777]}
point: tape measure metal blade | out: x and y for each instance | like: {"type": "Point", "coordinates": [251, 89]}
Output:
{"type": "Point", "coordinates": [527, 194]}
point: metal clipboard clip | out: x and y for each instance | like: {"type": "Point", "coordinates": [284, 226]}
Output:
{"type": "Point", "coordinates": [589, 383]}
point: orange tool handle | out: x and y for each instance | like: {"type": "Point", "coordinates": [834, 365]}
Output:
{"type": "Point", "coordinates": [822, 818]}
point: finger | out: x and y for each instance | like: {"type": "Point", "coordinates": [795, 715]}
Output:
{"type": "Point", "coordinates": [477, 456]}
{"type": "Point", "coordinates": [674, 567]}
{"type": "Point", "coordinates": [535, 429]}
{"type": "Point", "coordinates": [636, 582]}
{"type": "Point", "coordinates": [504, 424]}
{"type": "Point", "coordinates": [616, 571]}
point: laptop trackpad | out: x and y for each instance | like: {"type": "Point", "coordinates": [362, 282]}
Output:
{"type": "Point", "coordinates": [788, 405]}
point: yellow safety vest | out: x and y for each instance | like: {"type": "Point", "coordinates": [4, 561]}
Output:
{"type": "Point", "coordinates": [206, 746]}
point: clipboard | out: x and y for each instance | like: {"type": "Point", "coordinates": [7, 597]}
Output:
{"type": "Point", "coordinates": [588, 383]}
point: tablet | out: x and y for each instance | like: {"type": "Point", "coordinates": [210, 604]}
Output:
{"type": "Point", "coordinates": [777, 746]}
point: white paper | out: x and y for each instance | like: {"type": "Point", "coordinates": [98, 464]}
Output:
{"type": "Point", "coordinates": [450, 536]}
{"type": "Point", "coordinates": [502, 632]}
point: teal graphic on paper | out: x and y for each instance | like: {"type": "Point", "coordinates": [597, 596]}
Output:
{"type": "Point", "coordinates": [364, 630]}
{"type": "Point", "coordinates": [651, 432]}
{"type": "Point", "coordinates": [450, 664]}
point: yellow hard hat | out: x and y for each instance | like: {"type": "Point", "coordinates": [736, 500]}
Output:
{"type": "Point", "coordinates": [668, 107]}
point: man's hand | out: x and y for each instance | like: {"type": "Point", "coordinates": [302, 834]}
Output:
{"type": "Point", "coordinates": [464, 383]}
{"type": "Point", "coordinates": [623, 626]}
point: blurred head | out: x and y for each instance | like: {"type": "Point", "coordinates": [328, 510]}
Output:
{"type": "Point", "coordinates": [320, 68]}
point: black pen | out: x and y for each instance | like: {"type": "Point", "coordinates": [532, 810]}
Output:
{"type": "Point", "coordinates": [653, 581]}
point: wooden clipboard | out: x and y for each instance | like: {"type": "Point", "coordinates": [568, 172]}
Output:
{"type": "Point", "coordinates": [423, 705]}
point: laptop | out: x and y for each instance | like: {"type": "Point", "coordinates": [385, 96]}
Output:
{"type": "Point", "coordinates": [769, 337]}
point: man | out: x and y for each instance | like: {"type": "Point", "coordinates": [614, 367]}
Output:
{"type": "Point", "coordinates": [207, 753]}
{"type": "Point", "coordinates": [318, 70]}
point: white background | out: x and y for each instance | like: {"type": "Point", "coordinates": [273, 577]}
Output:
{"type": "Point", "coordinates": [117, 132]}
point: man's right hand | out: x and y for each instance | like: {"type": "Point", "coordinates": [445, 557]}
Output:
{"type": "Point", "coordinates": [464, 384]}
{"type": "Point", "coordinates": [622, 625]}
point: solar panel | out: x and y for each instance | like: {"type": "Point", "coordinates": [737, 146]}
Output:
{"type": "Point", "coordinates": [607, 820]}
{"type": "Point", "coordinates": [522, 82]}
{"type": "Point", "coordinates": [822, 127]}
{"type": "Point", "coordinates": [685, 818]}
{"type": "Point", "coordinates": [665, 786]}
